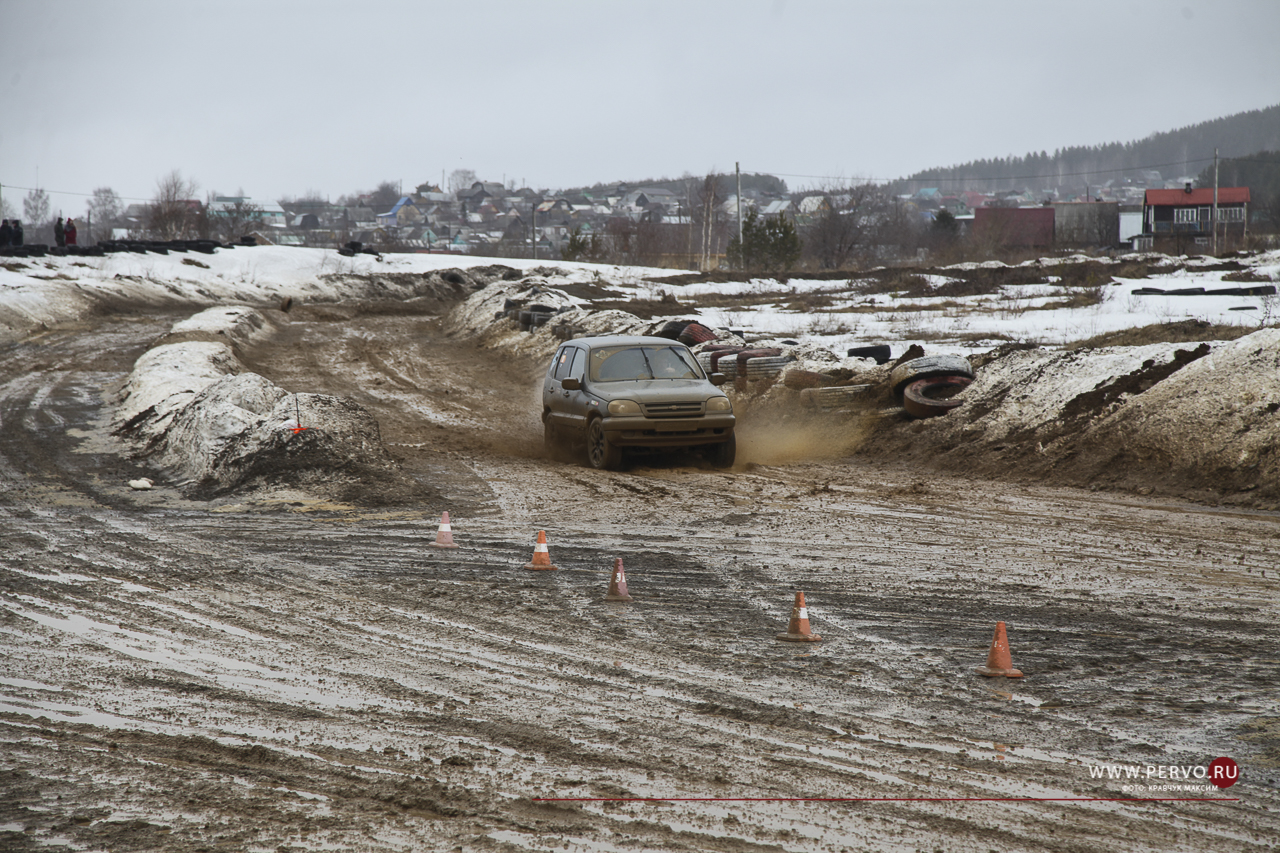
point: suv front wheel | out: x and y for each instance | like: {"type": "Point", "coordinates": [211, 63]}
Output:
{"type": "Point", "coordinates": [602, 453]}
{"type": "Point", "coordinates": [722, 455]}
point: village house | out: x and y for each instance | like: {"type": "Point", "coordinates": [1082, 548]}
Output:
{"type": "Point", "coordinates": [1179, 219]}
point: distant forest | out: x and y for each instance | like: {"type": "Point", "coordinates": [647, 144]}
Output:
{"type": "Point", "coordinates": [725, 185]}
{"type": "Point", "coordinates": [1245, 138]}
{"type": "Point", "coordinates": [1177, 153]}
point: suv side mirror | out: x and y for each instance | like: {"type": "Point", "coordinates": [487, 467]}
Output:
{"type": "Point", "coordinates": [718, 378]}
{"type": "Point", "coordinates": [570, 384]}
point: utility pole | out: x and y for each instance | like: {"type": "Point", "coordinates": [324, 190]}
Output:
{"type": "Point", "coordinates": [1213, 220]}
{"type": "Point", "coordinates": [737, 173]}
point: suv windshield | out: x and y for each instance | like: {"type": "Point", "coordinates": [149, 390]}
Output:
{"type": "Point", "coordinates": [622, 363]}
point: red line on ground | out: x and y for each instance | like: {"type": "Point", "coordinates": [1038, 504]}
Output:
{"type": "Point", "coordinates": [886, 799]}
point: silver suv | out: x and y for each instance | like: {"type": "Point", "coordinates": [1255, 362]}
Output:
{"type": "Point", "coordinates": [621, 391]}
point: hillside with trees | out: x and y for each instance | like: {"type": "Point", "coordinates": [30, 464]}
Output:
{"type": "Point", "coordinates": [1176, 153]}
{"type": "Point", "coordinates": [1260, 172]}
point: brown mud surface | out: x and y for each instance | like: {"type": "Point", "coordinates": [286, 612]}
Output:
{"type": "Point", "coordinates": [269, 672]}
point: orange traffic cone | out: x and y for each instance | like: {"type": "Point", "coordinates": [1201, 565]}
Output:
{"type": "Point", "coordinates": [541, 558]}
{"type": "Point", "coordinates": [618, 584]}
{"type": "Point", "coordinates": [798, 629]}
{"type": "Point", "coordinates": [999, 661]}
{"type": "Point", "coordinates": [444, 536]}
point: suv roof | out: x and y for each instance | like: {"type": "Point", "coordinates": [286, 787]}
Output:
{"type": "Point", "coordinates": [623, 340]}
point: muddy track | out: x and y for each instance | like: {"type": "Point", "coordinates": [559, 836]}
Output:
{"type": "Point", "coordinates": [276, 674]}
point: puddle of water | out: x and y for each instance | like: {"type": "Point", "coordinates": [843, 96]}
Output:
{"type": "Point", "coordinates": [30, 685]}
{"type": "Point", "coordinates": [134, 644]}
{"type": "Point", "coordinates": [70, 577]}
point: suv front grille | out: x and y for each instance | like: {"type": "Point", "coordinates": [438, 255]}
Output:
{"type": "Point", "coordinates": [672, 410]}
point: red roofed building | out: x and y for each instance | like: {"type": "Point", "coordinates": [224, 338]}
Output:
{"type": "Point", "coordinates": [1185, 217]}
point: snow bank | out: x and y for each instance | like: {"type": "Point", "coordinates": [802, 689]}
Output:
{"type": "Point", "coordinates": [217, 428]}
{"type": "Point", "coordinates": [239, 323]}
{"type": "Point", "coordinates": [166, 379]}
{"type": "Point", "coordinates": [482, 314]}
{"type": "Point", "coordinates": [1028, 390]}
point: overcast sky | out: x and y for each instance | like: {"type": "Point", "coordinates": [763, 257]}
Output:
{"type": "Point", "coordinates": [278, 98]}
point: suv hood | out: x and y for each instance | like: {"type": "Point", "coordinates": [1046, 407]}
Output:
{"type": "Point", "coordinates": [656, 390]}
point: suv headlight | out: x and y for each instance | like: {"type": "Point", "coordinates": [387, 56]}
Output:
{"type": "Point", "coordinates": [625, 407]}
{"type": "Point", "coordinates": [719, 404]}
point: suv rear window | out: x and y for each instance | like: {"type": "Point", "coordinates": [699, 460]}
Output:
{"type": "Point", "coordinates": [628, 363]}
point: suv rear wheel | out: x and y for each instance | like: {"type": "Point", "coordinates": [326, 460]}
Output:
{"type": "Point", "coordinates": [602, 453]}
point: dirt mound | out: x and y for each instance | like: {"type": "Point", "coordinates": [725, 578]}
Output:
{"type": "Point", "coordinates": [1214, 424]}
{"type": "Point", "coordinates": [1182, 331]}
{"type": "Point", "coordinates": [1196, 421]}
{"type": "Point", "coordinates": [337, 454]}
{"type": "Point", "coordinates": [193, 408]}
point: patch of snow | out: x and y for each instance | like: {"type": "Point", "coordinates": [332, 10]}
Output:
{"type": "Point", "coordinates": [166, 378]}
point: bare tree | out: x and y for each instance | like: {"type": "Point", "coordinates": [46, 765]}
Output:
{"type": "Point", "coordinates": [104, 209]}
{"type": "Point", "coordinates": [842, 233]}
{"type": "Point", "coordinates": [174, 212]}
{"type": "Point", "coordinates": [35, 212]}
{"type": "Point", "coordinates": [231, 220]}
{"type": "Point", "coordinates": [710, 203]}
{"type": "Point", "coordinates": [461, 179]}
{"type": "Point", "coordinates": [385, 196]}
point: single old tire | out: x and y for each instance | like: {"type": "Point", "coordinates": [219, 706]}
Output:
{"type": "Point", "coordinates": [879, 352]}
{"type": "Point", "coordinates": [834, 397]}
{"type": "Point", "coordinates": [927, 368]}
{"type": "Point", "coordinates": [602, 454]}
{"type": "Point", "coordinates": [694, 334]}
{"type": "Point", "coordinates": [722, 455]}
{"type": "Point", "coordinates": [925, 398]}
{"type": "Point", "coordinates": [672, 329]}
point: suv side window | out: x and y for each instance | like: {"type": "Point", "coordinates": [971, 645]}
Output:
{"type": "Point", "coordinates": [576, 365]}
{"type": "Point", "coordinates": [560, 366]}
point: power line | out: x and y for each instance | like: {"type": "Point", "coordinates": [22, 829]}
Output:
{"type": "Point", "coordinates": [69, 192]}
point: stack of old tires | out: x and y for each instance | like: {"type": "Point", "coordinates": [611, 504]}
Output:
{"type": "Point", "coordinates": [760, 363]}
{"type": "Point", "coordinates": [688, 332]}
{"type": "Point", "coordinates": [748, 364]}
{"type": "Point", "coordinates": [531, 316]}
{"type": "Point", "coordinates": [355, 247]}
{"type": "Point", "coordinates": [568, 331]}
{"type": "Point", "coordinates": [77, 251]}
{"type": "Point", "coordinates": [927, 386]}
{"type": "Point", "coordinates": [832, 397]}
{"type": "Point", "coordinates": [720, 358]}
{"type": "Point", "coordinates": [158, 247]}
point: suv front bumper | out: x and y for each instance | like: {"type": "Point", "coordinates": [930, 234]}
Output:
{"type": "Point", "coordinates": [639, 431]}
